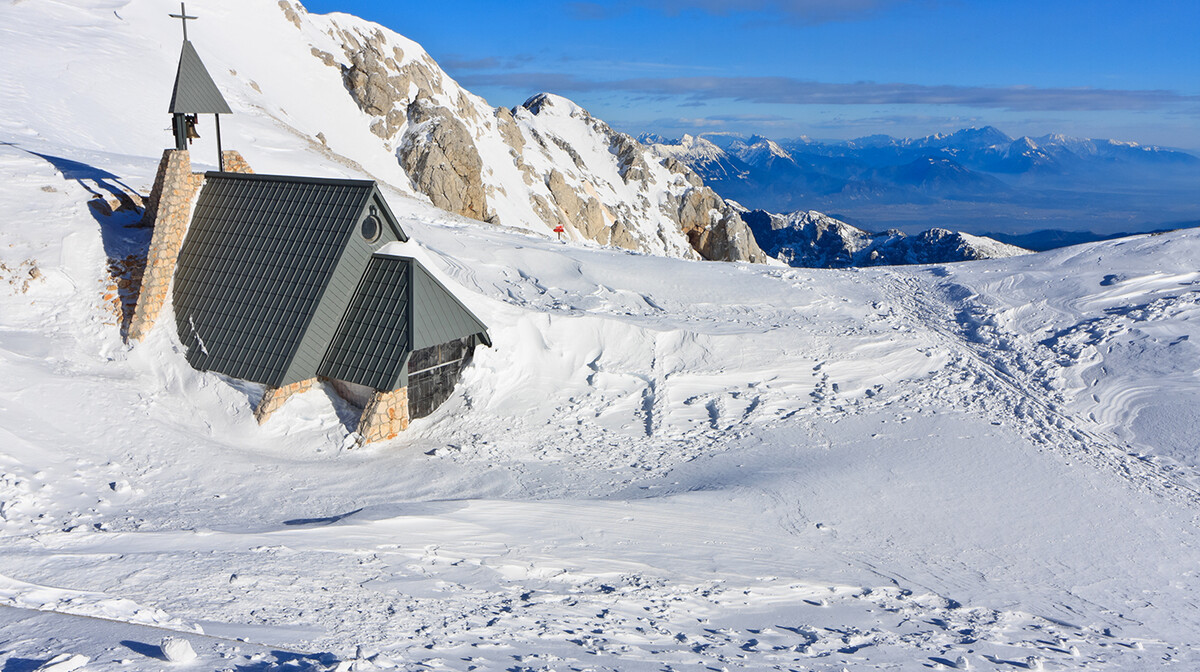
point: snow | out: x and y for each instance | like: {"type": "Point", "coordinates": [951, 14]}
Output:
{"type": "Point", "coordinates": [64, 662]}
{"type": "Point", "coordinates": [177, 650]}
{"type": "Point", "coordinates": [661, 463]}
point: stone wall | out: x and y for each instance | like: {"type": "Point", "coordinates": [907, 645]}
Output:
{"type": "Point", "coordinates": [235, 162]}
{"type": "Point", "coordinates": [169, 211]}
{"type": "Point", "coordinates": [385, 416]}
{"type": "Point", "coordinates": [171, 205]}
{"type": "Point", "coordinates": [124, 286]}
{"type": "Point", "coordinates": [276, 397]}
{"type": "Point", "coordinates": [150, 212]}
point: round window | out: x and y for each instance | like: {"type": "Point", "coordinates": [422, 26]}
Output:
{"type": "Point", "coordinates": [371, 228]}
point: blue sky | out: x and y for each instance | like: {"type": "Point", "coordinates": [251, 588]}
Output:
{"type": "Point", "coordinates": [829, 68]}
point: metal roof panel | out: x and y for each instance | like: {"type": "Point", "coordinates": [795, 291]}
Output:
{"type": "Point", "coordinates": [250, 278]}
{"type": "Point", "coordinates": [439, 316]}
{"type": "Point", "coordinates": [195, 92]}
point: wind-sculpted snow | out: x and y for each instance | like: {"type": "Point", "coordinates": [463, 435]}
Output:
{"type": "Point", "coordinates": [662, 464]}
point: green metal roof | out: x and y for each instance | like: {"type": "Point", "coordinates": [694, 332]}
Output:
{"type": "Point", "coordinates": [195, 92]}
{"type": "Point", "coordinates": [439, 317]}
{"type": "Point", "coordinates": [267, 269]}
{"type": "Point", "coordinates": [397, 308]}
{"type": "Point", "coordinates": [372, 343]}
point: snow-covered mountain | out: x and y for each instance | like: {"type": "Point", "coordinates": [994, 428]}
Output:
{"type": "Point", "coordinates": [544, 164]}
{"type": "Point", "coordinates": [814, 240]}
{"type": "Point", "coordinates": [356, 89]}
{"type": "Point", "coordinates": [761, 152]}
{"type": "Point", "coordinates": [702, 156]}
{"type": "Point", "coordinates": [978, 146]}
{"type": "Point", "coordinates": [659, 465]}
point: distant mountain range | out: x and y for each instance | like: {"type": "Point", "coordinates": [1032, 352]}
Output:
{"type": "Point", "coordinates": [974, 179]}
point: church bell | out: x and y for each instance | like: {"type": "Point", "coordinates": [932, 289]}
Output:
{"type": "Point", "coordinates": [191, 128]}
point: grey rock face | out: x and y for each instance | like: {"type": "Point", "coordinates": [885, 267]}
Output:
{"type": "Point", "coordinates": [630, 155]}
{"type": "Point", "coordinates": [509, 130]}
{"type": "Point", "coordinates": [585, 215]}
{"type": "Point", "coordinates": [368, 81]}
{"type": "Point", "coordinates": [377, 81]}
{"type": "Point", "coordinates": [289, 12]}
{"type": "Point", "coordinates": [731, 240]}
{"type": "Point", "coordinates": [681, 168]}
{"type": "Point", "coordinates": [438, 154]}
{"type": "Point", "coordinates": [324, 56]}
{"type": "Point", "coordinates": [436, 149]}
{"type": "Point", "coordinates": [715, 230]}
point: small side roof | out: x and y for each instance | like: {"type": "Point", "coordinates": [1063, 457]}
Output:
{"type": "Point", "coordinates": [195, 92]}
{"type": "Point", "coordinates": [374, 338]}
{"type": "Point", "coordinates": [439, 316]}
{"type": "Point", "coordinates": [397, 308]}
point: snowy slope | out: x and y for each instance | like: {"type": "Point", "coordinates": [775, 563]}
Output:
{"type": "Point", "coordinates": [661, 463]}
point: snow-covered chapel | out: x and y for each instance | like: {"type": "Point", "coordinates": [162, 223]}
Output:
{"type": "Point", "coordinates": [292, 281]}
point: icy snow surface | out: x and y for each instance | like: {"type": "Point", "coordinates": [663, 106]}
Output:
{"type": "Point", "coordinates": [660, 465]}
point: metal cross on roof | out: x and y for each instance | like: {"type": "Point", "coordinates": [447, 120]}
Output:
{"type": "Point", "coordinates": [183, 17]}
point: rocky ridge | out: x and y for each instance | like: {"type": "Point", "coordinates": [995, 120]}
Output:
{"type": "Point", "coordinates": [544, 164]}
{"type": "Point", "coordinates": [814, 240]}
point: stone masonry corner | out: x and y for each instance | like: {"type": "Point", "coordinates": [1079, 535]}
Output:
{"type": "Point", "coordinates": [276, 397]}
{"type": "Point", "coordinates": [168, 211]}
{"type": "Point", "coordinates": [385, 416]}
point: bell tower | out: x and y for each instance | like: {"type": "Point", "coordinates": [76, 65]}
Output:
{"type": "Point", "coordinates": [194, 94]}
{"type": "Point", "coordinates": [168, 209]}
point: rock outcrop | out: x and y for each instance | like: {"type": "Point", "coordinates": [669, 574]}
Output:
{"type": "Point", "coordinates": [539, 166]}
{"type": "Point", "coordinates": [715, 229]}
{"type": "Point", "coordinates": [443, 162]}
{"type": "Point", "coordinates": [381, 81]}
{"type": "Point", "coordinates": [712, 229]}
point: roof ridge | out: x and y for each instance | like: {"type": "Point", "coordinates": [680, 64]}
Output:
{"type": "Point", "coordinates": [335, 181]}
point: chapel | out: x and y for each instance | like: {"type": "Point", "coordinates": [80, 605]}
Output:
{"type": "Point", "coordinates": [293, 282]}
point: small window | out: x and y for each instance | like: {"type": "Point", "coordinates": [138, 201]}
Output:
{"type": "Point", "coordinates": [371, 228]}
